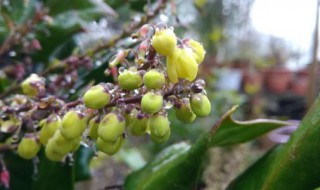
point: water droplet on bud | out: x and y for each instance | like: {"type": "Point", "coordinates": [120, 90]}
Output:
{"type": "Point", "coordinates": [121, 70]}
{"type": "Point", "coordinates": [168, 105]}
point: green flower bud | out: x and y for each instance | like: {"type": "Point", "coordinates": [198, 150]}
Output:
{"type": "Point", "coordinates": [161, 139]}
{"type": "Point", "coordinates": [110, 147]}
{"type": "Point", "coordinates": [51, 154]}
{"type": "Point", "coordinates": [93, 127]}
{"type": "Point", "coordinates": [33, 85]}
{"type": "Point", "coordinates": [159, 128]}
{"type": "Point", "coordinates": [28, 148]}
{"type": "Point", "coordinates": [151, 103]}
{"type": "Point", "coordinates": [60, 144]}
{"type": "Point", "coordinates": [111, 127]}
{"type": "Point", "coordinates": [153, 79]}
{"type": "Point", "coordinates": [96, 97]}
{"type": "Point", "coordinates": [130, 115]}
{"type": "Point", "coordinates": [9, 126]}
{"type": "Point", "coordinates": [130, 80]}
{"type": "Point", "coordinates": [49, 126]}
{"type": "Point", "coordinates": [200, 105]}
{"type": "Point", "coordinates": [139, 124]}
{"type": "Point", "coordinates": [164, 41]}
{"type": "Point", "coordinates": [183, 111]}
{"type": "Point", "coordinates": [73, 124]}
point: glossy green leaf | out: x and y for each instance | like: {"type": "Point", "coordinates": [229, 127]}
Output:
{"type": "Point", "coordinates": [68, 18]}
{"type": "Point", "coordinates": [180, 165]}
{"type": "Point", "coordinates": [21, 171]}
{"type": "Point", "coordinates": [294, 165]}
{"type": "Point", "coordinates": [82, 160]}
{"type": "Point", "coordinates": [46, 175]}
{"type": "Point", "coordinates": [235, 132]}
{"type": "Point", "coordinates": [53, 175]}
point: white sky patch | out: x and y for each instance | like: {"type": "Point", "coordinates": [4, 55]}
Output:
{"type": "Point", "coordinates": [292, 20]}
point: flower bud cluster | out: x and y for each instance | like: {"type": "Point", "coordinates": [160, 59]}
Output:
{"type": "Point", "coordinates": [161, 77]}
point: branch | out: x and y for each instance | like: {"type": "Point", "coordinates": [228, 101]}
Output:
{"type": "Point", "coordinates": [125, 33]}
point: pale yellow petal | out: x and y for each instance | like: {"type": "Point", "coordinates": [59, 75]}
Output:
{"type": "Point", "coordinates": [187, 66]}
{"type": "Point", "coordinates": [171, 69]}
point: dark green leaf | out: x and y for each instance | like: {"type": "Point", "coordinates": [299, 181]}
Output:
{"type": "Point", "coordinates": [68, 19]}
{"type": "Point", "coordinates": [82, 160]}
{"type": "Point", "coordinates": [21, 171]}
{"type": "Point", "coordinates": [18, 11]}
{"type": "Point", "coordinates": [54, 175]}
{"type": "Point", "coordinates": [235, 132]}
{"type": "Point", "coordinates": [179, 166]}
{"type": "Point", "coordinates": [294, 165]}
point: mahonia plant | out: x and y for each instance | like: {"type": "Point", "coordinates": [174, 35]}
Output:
{"type": "Point", "coordinates": [162, 76]}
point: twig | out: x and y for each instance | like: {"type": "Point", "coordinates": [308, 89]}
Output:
{"type": "Point", "coordinates": [22, 30]}
{"type": "Point", "coordinates": [124, 33]}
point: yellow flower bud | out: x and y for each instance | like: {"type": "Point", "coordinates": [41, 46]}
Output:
{"type": "Point", "coordinates": [28, 148]}
{"type": "Point", "coordinates": [164, 41]}
{"type": "Point", "coordinates": [181, 64]}
{"type": "Point", "coordinates": [197, 49]}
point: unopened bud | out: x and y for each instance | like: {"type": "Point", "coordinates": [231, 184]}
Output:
{"type": "Point", "coordinates": [96, 97]}
{"type": "Point", "coordinates": [130, 80]}
{"type": "Point", "coordinates": [93, 127]}
{"type": "Point", "coordinates": [49, 126]}
{"type": "Point", "coordinates": [139, 124]}
{"type": "Point", "coordinates": [197, 49]}
{"type": "Point", "coordinates": [200, 105]}
{"type": "Point", "coordinates": [111, 127]}
{"type": "Point", "coordinates": [183, 111]}
{"type": "Point", "coordinates": [164, 41]}
{"type": "Point", "coordinates": [73, 124]}
{"type": "Point", "coordinates": [60, 144]}
{"type": "Point", "coordinates": [110, 147]}
{"type": "Point", "coordinates": [33, 85]}
{"type": "Point", "coordinates": [151, 102]}
{"type": "Point", "coordinates": [153, 79]}
{"type": "Point", "coordinates": [159, 126]}
{"type": "Point", "coordinates": [51, 154]}
{"type": "Point", "coordinates": [28, 148]}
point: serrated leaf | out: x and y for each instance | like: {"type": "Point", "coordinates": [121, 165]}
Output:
{"type": "Point", "coordinates": [234, 132]}
{"type": "Point", "coordinates": [294, 165]}
{"type": "Point", "coordinates": [180, 165]}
